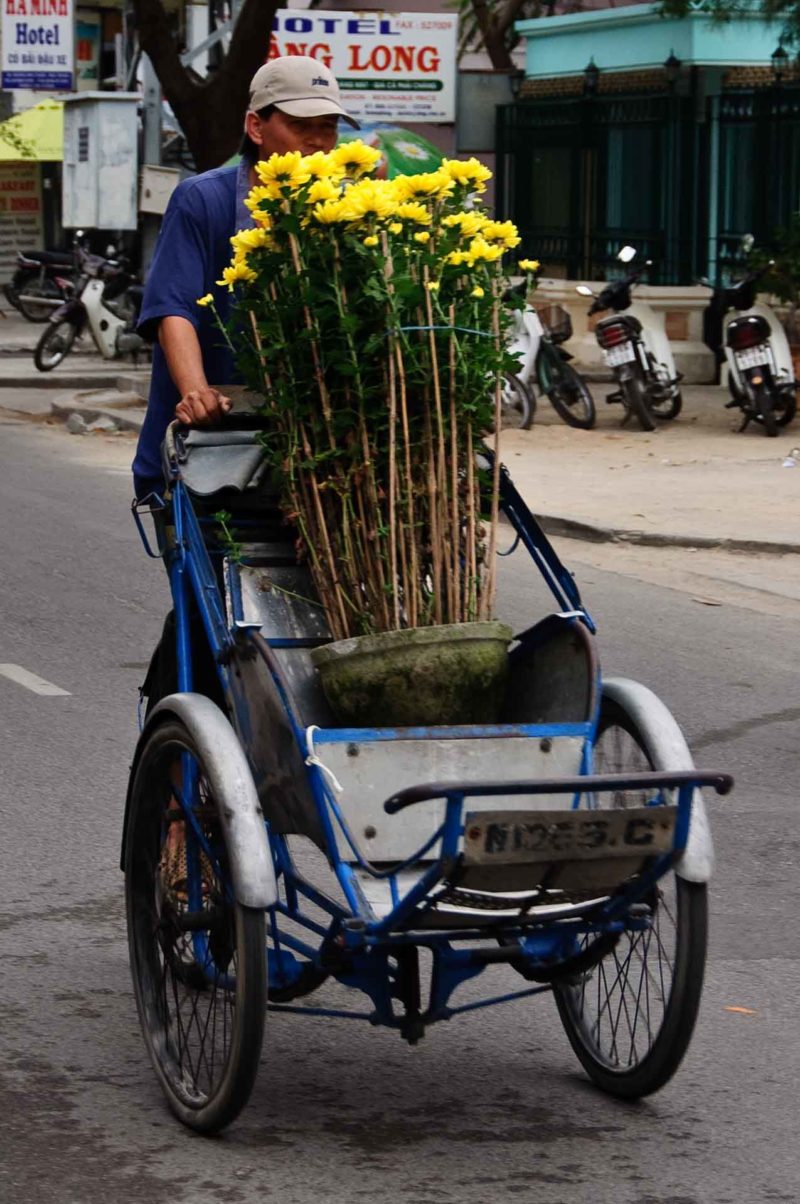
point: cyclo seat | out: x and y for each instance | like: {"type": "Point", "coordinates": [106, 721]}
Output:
{"type": "Point", "coordinates": [53, 258]}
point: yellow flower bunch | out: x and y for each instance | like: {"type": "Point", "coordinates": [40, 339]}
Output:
{"type": "Point", "coordinates": [469, 172]}
{"type": "Point", "coordinates": [368, 198]}
{"type": "Point", "coordinates": [429, 185]}
{"type": "Point", "coordinates": [467, 224]}
{"type": "Point", "coordinates": [413, 211]}
{"type": "Point", "coordinates": [283, 174]}
{"type": "Point", "coordinates": [354, 159]}
{"type": "Point", "coordinates": [238, 271]}
{"type": "Point", "coordinates": [504, 233]}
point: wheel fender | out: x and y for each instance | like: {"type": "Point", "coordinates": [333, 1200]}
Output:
{"type": "Point", "coordinates": [231, 780]}
{"type": "Point", "coordinates": [670, 752]}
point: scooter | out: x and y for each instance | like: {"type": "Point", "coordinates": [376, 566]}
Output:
{"type": "Point", "coordinates": [635, 346]}
{"type": "Point", "coordinates": [544, 362]}
{"type": "Point", "coordinates": [760, 369]}
{"type": "Point", "coordinates": [107, 300]}
{"type": "Point", "coordinates": [43, 280]}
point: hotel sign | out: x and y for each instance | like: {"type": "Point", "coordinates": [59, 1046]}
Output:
{"type": "Point", "coordinates": [37, 45]}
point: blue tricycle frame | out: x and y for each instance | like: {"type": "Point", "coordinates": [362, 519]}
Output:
{"type": "Point", "coordinates": [267, 849]}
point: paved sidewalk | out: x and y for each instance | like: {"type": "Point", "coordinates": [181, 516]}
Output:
{"type": "Point", "coordinates": [694, 482]}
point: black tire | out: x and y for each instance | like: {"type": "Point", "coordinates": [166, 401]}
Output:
{"type": "Point", "coordinates": [54, 345]}
{"type": "Point", "coordinates": [517, 404]}
{"type": "Point", "coordinates": [670, 408]}
{"type": "Point", "coordinates": [782, 407]}
{"type": "Point", "coordinates": [572, 400]}
{"type": "Point", "coordinates": [32, 286]}
{"type": "Point", "coordinates": [201, 993]}
{"type": "Point", "coordinates": [765, 414]}
{"type": "Point", "coordinates": [635, 399]}
{"type": "Point", "coordinates": [630, 1015]}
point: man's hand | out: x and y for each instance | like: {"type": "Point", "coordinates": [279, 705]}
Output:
{"type": "Point", "coordinates": [203, 406]}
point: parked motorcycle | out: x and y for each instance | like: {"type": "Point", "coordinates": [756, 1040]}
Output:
{"type": "Point", "coordinates": [537, 339]}
{"type": "Point", "coordinates": [43, 280]}
{"type": "Point", "coordinates": [761, 375]}
{"type": "Point", "coordinates": [107, 300]}
{"type": "Point", "coordinates": [635, 346]}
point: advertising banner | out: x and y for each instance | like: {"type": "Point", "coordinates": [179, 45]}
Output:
{"type": "Point", "coordinates": [20, 213]}
{"type": "Point", "coordinates": [37, 45]}
{"type": "Point", "coordinates": [390, 66]}
{"type": "Point", "coordinates": [87, 51]}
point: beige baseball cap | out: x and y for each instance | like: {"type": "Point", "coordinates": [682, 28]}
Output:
{"type": "Point", "coordinates": [298, 85]}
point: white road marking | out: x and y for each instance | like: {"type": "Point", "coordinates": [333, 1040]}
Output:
{"type": "Point", "coordinates": [30, 681]}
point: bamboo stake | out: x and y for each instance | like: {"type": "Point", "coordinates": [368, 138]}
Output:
{"type": "Point", "coordinates": [455, 534]}
{"type": "Point", "coordinates": [491, 576]}
{"type": "Point", "coordinates": [440, 470]}
{"type": "Point", "coordinates": [412, 594]}
{"type": "Point", "coordinates": [393, 492]}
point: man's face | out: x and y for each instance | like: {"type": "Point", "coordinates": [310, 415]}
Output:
{"type": "Point", "coordinates": [279, 133]}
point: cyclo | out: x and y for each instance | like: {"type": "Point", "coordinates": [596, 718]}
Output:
{"type": "Point", "coordinates": [568, 842]}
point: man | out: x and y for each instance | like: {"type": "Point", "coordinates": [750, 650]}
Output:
{"type": "Point", "coordinates": [294, 106]}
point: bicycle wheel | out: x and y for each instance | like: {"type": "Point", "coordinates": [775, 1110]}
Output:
{"type": "Point", "coordinates": [198, 957]}
{"type": "Point", "coordinates": [630, 1013]}
{"type": "Point", "coordinates": [637, 403]}
{"type": "Point", "coordinates": [54, 345]}
{"type": "Point", "coordinates": [517, 404]}
{"type": "Point", "coordinates": [572, 400]}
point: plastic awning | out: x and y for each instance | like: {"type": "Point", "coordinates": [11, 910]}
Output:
{"type": "Point", "coordinates": [35, 135]}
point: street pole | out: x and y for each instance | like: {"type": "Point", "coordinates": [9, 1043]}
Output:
{"type": "Point", "coordinates": [151, 153]}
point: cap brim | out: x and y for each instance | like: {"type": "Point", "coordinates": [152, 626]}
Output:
{"type": "Point", "coordinates": [315, 108]}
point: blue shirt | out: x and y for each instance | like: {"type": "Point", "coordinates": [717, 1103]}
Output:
{"type": "Point", "coordinates": [192, 249]}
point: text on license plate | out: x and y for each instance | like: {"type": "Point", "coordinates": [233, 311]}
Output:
{"type": "Point", "coordinates": [753, 357]}
{"type": "Point", "coordinates": [530, 836]}
{"type": "Point", "coordinates": [620, 355]}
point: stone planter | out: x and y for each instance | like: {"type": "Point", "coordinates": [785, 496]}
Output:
{"type": "Point", "coordinates": [417, 677]}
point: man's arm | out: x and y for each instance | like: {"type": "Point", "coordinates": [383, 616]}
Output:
{"type": "Point", "coordinates": [199, 402]}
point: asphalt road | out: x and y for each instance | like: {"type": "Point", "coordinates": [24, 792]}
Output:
{"type": "Point", "coordinates": [490, 1107]}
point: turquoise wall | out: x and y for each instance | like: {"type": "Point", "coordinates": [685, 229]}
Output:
{"type": "Point", "coordinates": [632, 38]}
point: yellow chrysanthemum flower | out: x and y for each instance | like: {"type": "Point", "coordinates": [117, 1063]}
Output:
{"type": "Point", "coordinates": [236, 272]}
{"type": "Point", "coordinates": [477, 291]}
{"type": "Point", "coordinates": [468, 224]}
{"type": "Point", "coordinates": [430, 184]}
{"type": "Point", "coordinates": [480, 249]}
{"type": "Point", "coordinates": [422, 236]}
{"type": "Point", "coordinates": [368, 198]}
{"type": "Point", "coordinates": [282, 173]}
{"type": "Point", "coordinates": [432, 286]}
{"type": "Point", "coordinates": [250, 240]}
{"type": "Point", "coordinates": [467, 171]}
{"type": "Point", "coordinates": [327, 212]}
{"type": "Point", "coordinates": [395, 227]}
{"type": "Point", "coordinates": [413, 211]}
{"type": "Point", "coordinates": [503, 232]}
{"type": "Point", "coordinates": [322, 190]}
{"type": "Point", "coordinates": [207, 300]}
{"type": "Point", "coordinates": [354, 159]}
{"type": "Point", "coordinates": [371, 240]}
{"type": "Point", "coordinates": [458, 258]}
{"type": "Point", "coordinates": [320, 166]}
{"type": "Point", "coordinates": [529, 265]}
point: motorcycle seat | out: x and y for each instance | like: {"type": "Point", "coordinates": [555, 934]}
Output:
{"type": "Point", "coordinates": [61, 259]}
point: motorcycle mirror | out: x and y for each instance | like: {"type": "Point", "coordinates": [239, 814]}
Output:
{"type": "Point", "coordinates": [626, 254]}
{"type": "Point", "coordinates": [584, 290]}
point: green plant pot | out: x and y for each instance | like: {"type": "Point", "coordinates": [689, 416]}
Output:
{"type": "Point", "coordinates": [417, 677]}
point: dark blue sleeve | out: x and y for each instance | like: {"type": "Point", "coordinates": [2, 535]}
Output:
{"type": "Point", "coordinates": [181, 264]}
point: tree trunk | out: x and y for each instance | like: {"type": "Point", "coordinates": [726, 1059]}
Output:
{"type": "Point", "coordinates": [211, 111]}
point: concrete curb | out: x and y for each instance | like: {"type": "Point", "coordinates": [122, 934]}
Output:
{"type": "Point", "coordinates": [74, 380]}
{"type": "Point", "coordinates": [63, 406]}
{"type": "Point", "coordinates": [570, 528]}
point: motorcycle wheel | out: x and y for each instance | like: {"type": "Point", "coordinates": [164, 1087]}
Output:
{"type": "Point", "coordinates": [571, 399]}
{"type": "Point", "coordinates": [517, 404]}
{"type": "Point", "coordinates": [637, 403]}
{"type": "Point", "coordinates": [783, 407]}
{"type": "Point", "coordinates": [765, 413]}
{"type": "Point", "coordinates": [54, 345]}
{"type": "Point", "coordinates": [670, 407]}
{"type": "Point", "coordinates": [32, 286]}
